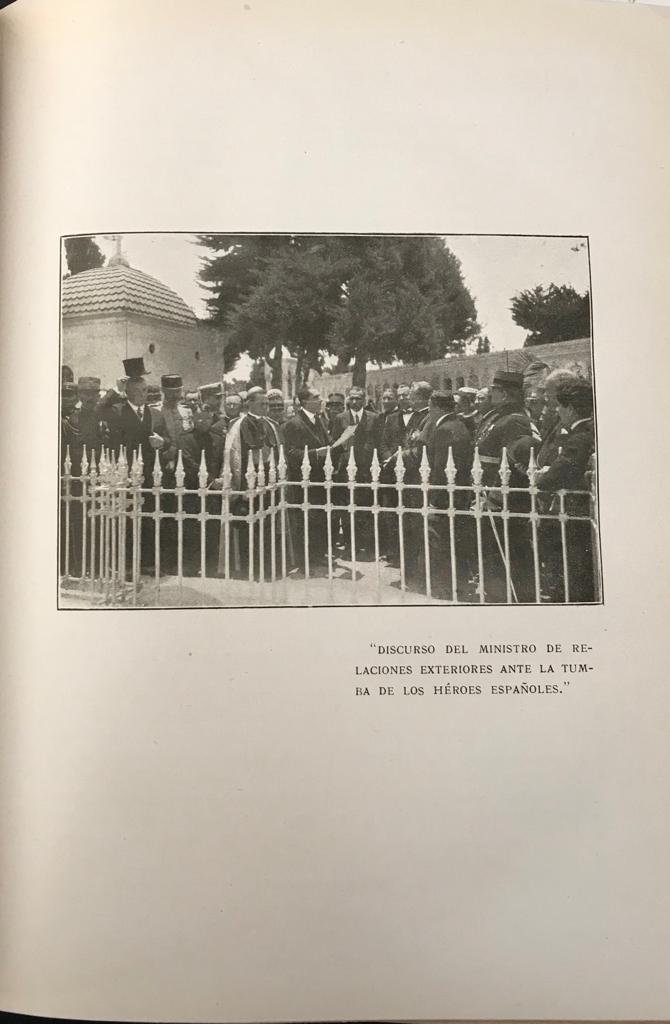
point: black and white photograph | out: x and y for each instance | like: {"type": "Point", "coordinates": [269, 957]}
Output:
{"type": "Point", "coordinates": [329, 419]}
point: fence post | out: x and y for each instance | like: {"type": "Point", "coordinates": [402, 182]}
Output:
{"type": "Point", "coordinates": [450, 473]}
{"type": "Point", "coordinates": [202, 494]}
{"type": "Point", "coordinates": [399, 477]}
{"type": "Point", "coordinates": [157, 480]}
{"type": "Point", "coordinates": [351, 478]}
{"type": "Point", "coordinates": [93, 490]}
{"type": "Point", "coordinates": [477, 474]}
{"type": "Point", "coordinates": [375, 471]}
{"type": "Point", "coordinates": [305, 470]}
{"type": "Point", "coordinates": [505, 474]}
{"type": "Point", "coordinates": [281, 469]}
{"type": "Point", "coordinates": [179, 478]}
{"type": "Point", "coordinates": [67, 471]}
{"type": "Point", "coordinates": [272, 498]}
{"type": "Point", "coordinates": [250, 477]}
{"type": "Point", "coordinates": [328, 469]}
{"type": "Point", "coordinates": [84, 511]}
{"type": "Point", "coordinates": [424, 474]}
{"type": "Point", "coordinates": [136, 484]}
{"type": "Point", "coordinates": [260, 515]}
{"type": "Point", "coordinates": [534, 519]}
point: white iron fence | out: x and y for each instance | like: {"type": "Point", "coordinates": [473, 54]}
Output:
{"type": "Point", "coordinates": [121, 533]}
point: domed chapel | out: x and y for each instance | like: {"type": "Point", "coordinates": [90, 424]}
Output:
{"type": "Point", "coordinates": [116, 311]}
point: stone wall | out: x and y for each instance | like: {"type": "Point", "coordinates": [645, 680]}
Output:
{"type": "Point", "coordinates": [97, 345]}
{"type": "Point", "coordinates": [475, 371]}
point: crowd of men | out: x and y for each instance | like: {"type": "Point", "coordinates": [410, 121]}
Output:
{"type": "Point", "coordinates": [546, 428]}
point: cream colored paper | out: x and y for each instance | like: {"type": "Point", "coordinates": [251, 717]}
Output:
{"type": "Point", "coordinates": [201, 820]}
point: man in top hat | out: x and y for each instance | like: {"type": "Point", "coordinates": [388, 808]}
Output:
{"type": "Point", "coordinates": [132, 423]}
{"type": "Point", "coordinates": [503, 427]}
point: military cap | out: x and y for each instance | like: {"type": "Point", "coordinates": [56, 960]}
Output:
{"type": "Point", "coordinates": [276, 393]}
{"type": "Point", "coordinates": [89, 382]}
{"type": "Point", "coordinates": [68, 390]}
{"type": "Point", "coordinates": [208, 392]}
{"type": "Point", "coordinates": [356, 391]}
{"type": "Point", "coordinates": [153, 393]}
{"type": "Point", "coordinates": [336, 396]}
{"type": "Point", "coordinates": [467, 391]}
{"type": "Point", "coordinates": [135, 368]}
{"type": "Point", "coordinates": [507, 379]}
{"type": "Point", "coordinates": [171, 382]}
{"type": "Point", "coordinates": [255, 392]}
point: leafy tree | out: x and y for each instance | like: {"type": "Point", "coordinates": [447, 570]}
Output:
{"type": "Point", "coordinates": [82, 253]}
{"type": "Point", "coordinates": [360, 298]}
{"type": "Point", "coordinates": [556, 313]}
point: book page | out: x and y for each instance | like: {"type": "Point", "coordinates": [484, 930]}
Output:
{"type": "Point", "coordinates": [235, 789]}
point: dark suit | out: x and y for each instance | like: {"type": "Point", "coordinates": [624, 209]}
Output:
{"type": "Point", "coordinates": [365, 441]}
{"type": "Point", "coordinates": [504, 426]}
{"type": "Point", "coordinates": [393, 434]}
{"type": "Point", "coordinates": [300, 433]}
{"type": "Point", "coordinates": [128, 430]}
{"type": "Point", "coordinates": [450, 432]}
{"type": "Point", "coordinates": [567, 472]}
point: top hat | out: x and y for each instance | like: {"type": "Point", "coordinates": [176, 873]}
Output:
{"type": "Point", "coordinates": [171, 381]}
{"type": "Point", "coordinates": [89, 382]}
{"type": "Point", "coordinates": [135, 368]}
{"type": "Point", "coordinates": [507, 379]}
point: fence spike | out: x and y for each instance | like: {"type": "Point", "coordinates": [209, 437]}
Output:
{"type": "Point", "coordinates": [250, 475]}
{"type": "Point", "coordinates": [450, 468]}
{"type": "Point", "coordinates": [202, 471]}
{"type": "Point", "coordinates": [532, 468]}
{"type": "Point", "coordinates": [375, 467]}
{"type": "Point", "coordinates": [504, 471]}
{"type": "Point", "coordinates": [135, 471]}
{"type": "Point", "coordinates": [93, 471]}
{"type": "Point", "coordinates": [305, 465]}
{"type": "Point", "coordinates": [260, 477]}
{"type": "Point", "coordinates": [157, 474]}
{"type": "Point", "coordinates": [352, 469]}
{"type": "Point", "coordinates": [281, 463]}
{"type": "Point", "coordinates": [179, 474]}
{"type": "Point", "coordinates": [67, 463]}
{"type": "Point", "coordinates": [399, 467]}
{"type": "Point", "coordinates": [424, 467]}
{"type": "Point", "coordinates": [84, 462]}
{"type": "Point", "coordinates": [477, 471]}
{"type": "Point", "coordinates": [328, 466]}
{"type": "Point", "coordinates": [272, 468]}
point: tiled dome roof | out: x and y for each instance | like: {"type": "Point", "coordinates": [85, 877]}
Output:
{"type": "Point", "coordinates": [118, 288]}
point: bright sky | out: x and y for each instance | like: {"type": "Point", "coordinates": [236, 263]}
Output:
{"type": "Point", "coordinates": [495, 267]}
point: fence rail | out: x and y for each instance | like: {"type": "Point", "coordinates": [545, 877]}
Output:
{"type": "Point", "coordinates": [450, 541]}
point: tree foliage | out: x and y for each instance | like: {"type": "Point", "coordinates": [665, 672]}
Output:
{"type": "Point", "coordinates": [556, 313]}
{"type": "Point", "coordinates": [358, 298]}
{"type": "Point", "coordinates": [82, 253]}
